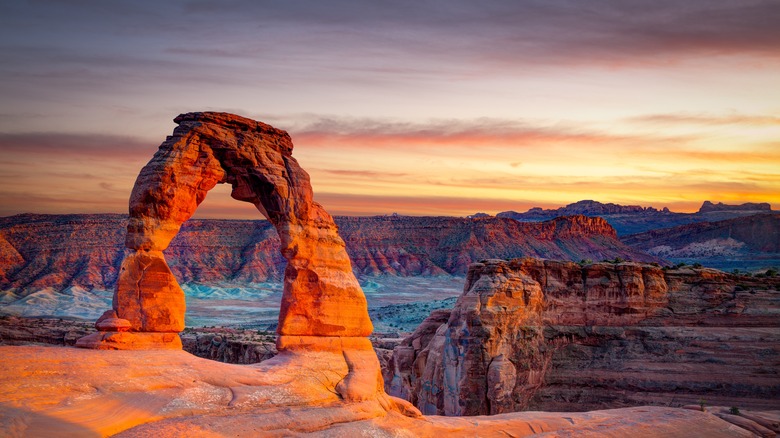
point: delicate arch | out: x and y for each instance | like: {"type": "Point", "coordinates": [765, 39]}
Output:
{"type": "Point", "coordinates": [321, 294]}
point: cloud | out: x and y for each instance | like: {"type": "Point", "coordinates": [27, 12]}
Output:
{"type": "Point", "coordinates": [363, 173]}
{"type": "Point", "coordinates": [733, 156]}
{"type": "Point", "coordinates": [553, 28]}
{"type": "Point", "coordinates": [239, 40]}
{"type": "Point", "coordinates": [383, 133]}
{"type": "Point", "coordinates": [367, 205]}
{"type": "Point", "coordinates": [37, 201]}
{"type": "Point", "coordinates": [708, 119]}
{"type": "Point", "coordinates": [378, 166]}
{"type": "Point", "coordinates": [86, 146]}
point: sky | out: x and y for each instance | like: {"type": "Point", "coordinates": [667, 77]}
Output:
{"type": "Point", "coordinates": [413, 107]}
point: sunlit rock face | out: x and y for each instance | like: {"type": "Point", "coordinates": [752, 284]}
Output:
{"type": "Point", "coordinates": [550, 335]}
{"type": "Point", "coordinates": [321, 294]}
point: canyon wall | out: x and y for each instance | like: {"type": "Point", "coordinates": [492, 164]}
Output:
{"type": "Point", "coordinates": [754, 238]}
{"type": "Point", "coordinates": [59, 251]}
{"type": "Point", "coordinates": [550, 335]}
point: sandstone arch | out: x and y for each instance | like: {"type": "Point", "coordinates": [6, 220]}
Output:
{"type": "Point", "coordinates": [321, 297]}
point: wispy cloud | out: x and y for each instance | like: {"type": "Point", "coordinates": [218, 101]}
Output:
{"type": "Point", "coordinates": [363, 173]}
{"type": "Point", "coordinates": [346, 204]}
{"type": "Point", "coordinates": [709, 119]}
{"type": "Point", "coordinates": [84, 146]}
{"type": "Point", "coordinates": [377, 133]}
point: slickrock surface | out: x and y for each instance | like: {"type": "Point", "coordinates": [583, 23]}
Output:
{"type": "Point", "coordinates": [77, 392]}
{"type": "Point", "coordinates": [558, 336]}
{"type": "Point", "coordinates": [60, 251]}
{"type": "Point", "coordinates": [221, 344]}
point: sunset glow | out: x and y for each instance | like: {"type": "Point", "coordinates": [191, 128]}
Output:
{"type": "Point", "coordinates": [420, 108]}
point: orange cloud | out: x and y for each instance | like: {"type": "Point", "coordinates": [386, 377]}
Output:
{"type": "Point", "coordinates": [372, 167]}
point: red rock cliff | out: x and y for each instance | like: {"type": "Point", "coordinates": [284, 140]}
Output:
{"type": "Point", "coordinates": [550, 335]}
{"type": "Point", "coordinates": [58, 251]}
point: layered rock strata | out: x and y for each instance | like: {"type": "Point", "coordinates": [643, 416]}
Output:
{"type": "Point", "coordinates": [538, 334]}
{"type": "Point", "coordinates": [60, 251]}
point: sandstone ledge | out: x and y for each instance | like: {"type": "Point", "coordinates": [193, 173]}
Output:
{"type": "Point", "coordinates": [130, 341]}
{"type": "Point", "coordinates": [172, 393]}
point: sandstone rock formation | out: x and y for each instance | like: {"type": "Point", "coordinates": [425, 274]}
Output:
{"type": "Point", "coordinates": [10, 259]}
{"type": "Point", "coordinates": [321, 295]}
{"type": "Point", "coordinates": [323, 308]}
{"type": "Point", "coordinates": [72, 392]}
{"type": "Point", "coordinates": [538, 334]}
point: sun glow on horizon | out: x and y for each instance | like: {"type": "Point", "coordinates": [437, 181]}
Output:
{"type": "Point", "coordinates": [442, 108]}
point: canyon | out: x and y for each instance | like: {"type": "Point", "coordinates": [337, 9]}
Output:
{"type": "Point", "coordinates": [61, 251]}
{"type": "Point", "coordinates": [530, 334]}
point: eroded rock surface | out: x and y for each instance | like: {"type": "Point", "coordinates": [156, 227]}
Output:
{"type": "Point", "coordinates": [321, 295]}
{"type": "Point", "coordinates": [323, 308]}
{"type": "Point", "coordinates": [547, 335]}
{"type": "Point", "coordinates": [76, 392]}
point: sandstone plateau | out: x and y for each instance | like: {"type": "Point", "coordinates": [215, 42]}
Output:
{"type": "Point", "coordinates": [549, 335]}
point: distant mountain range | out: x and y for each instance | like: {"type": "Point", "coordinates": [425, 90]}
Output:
{"type": "Point", "coordinates": [60, 251]}
{"type": "Point", "coordinates": [632, 219]}
{"type": "Point", "coordinates": [741, 243]}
